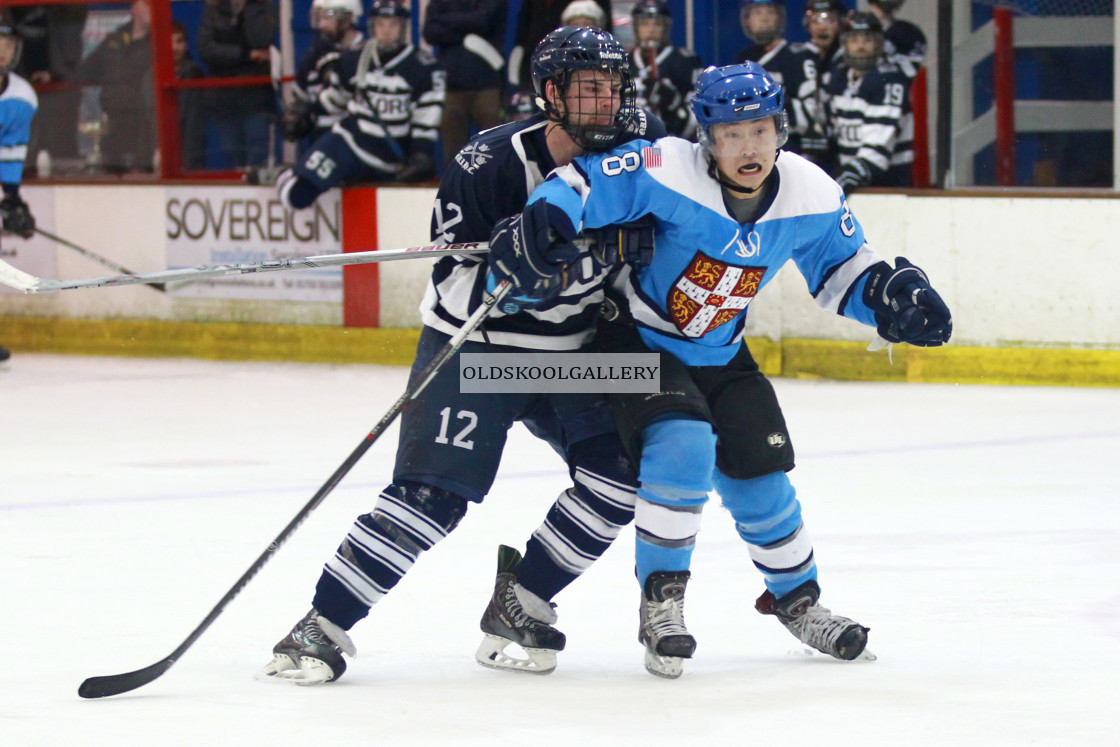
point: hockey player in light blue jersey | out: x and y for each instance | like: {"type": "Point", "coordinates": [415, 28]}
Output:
{"type": "Point", "coordinates": [18, 103]}
{"type": "Point", "coordinates": [729, 212]}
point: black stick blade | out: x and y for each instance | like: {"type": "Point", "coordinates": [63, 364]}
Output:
{"type": "Point", "coordinates": [115, 684]}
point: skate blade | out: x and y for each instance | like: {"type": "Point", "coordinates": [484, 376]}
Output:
{"type": "Point", "coordinates": [309, 671]}
{"type": "Point", "coordinates": [669, 667]}
{"type": "Point", "coordinates": [492, 655]}
{"type": "Point", "coordinates": [807, 652]}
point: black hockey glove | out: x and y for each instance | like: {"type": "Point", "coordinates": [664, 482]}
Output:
{"type": "Point", "coordinates": [907, 308]}
{"type": "Point", "coordinates": [631, 243]}
{"type": "Point", "coordinates": [296, 122]}
{"type": "Point", "coordinates": [525, 250]}
{"type": "Point", "coordinates": [419, 167]}
{"type": "Point", "coordinates": [15, 216]}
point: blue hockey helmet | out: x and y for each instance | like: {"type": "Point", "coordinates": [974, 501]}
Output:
{"type": "Point", "coordinates": [758, 33]}
{"type": "Point", "coordinates": [738, 93]}
{"type": "Point", "coordinates": [569, 49]}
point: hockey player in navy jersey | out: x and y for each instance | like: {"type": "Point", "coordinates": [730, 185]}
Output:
{"type": "Point", "coordinates": [868, 110]}
{"type": "Point", "coordinates": [18, 103]}
{"type": "Point", "coordinates": [451, 442]}
{"type": "Point", "coordinates": [393, 115]}
{"type": "Point", "coordinates": [900, 37]}
{"type": "Point", "coordinates": [664, 74]}
{"type": "Point", "coordinates": [318, 97]}
{"type": "Point", "coordinates": [792, 66]}
{"type": "Point", "coordinates": [729, 213]}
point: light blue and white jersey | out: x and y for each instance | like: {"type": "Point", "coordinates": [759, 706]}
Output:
{"type": "Point", "coordinates": [18, 103]}
{"type": "Point", "coordinates": [706, 267]}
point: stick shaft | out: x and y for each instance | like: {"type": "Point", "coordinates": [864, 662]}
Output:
{"type": "Point", "coordinates": [30, 284]}
{"type": "Point", "coordinates": [100, 687]}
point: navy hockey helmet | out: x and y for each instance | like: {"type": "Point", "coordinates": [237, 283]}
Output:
{"type": "Point", "coordinates": [388, 9]}
{"type": "Point", "coordinates": [567, 50]}
{"type": "Point", "coordinates": [816, 9]}
{"type": "Point", "coordinates": [862, 26]}
{"type": "Point", "coordinates": [738, 93]}
{"type": "Point", "coordinates": [890, 6]}
{"type": "Point", "coordinates": [758, 32]}
{"type": "Point", "coordinates": [652, 10]}
{"type": "Point", "coordinates": [11, 45]}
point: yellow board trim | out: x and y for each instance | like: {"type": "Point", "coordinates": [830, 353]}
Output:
{"type": "Point", "coordinates": [799, 358]}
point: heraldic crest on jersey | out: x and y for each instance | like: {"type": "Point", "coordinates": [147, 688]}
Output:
{"type": "Point", "coordinates": [710, 293]}
{"type": "Point", "coordinates": [472, 156]}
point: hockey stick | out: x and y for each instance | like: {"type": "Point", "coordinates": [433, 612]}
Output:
{"type": "Point", "coordinates": [27, 283]}
{"type": "Point", "coordinates": [100, 687]}
{"type": "Point", "coordinates": [95, 257]}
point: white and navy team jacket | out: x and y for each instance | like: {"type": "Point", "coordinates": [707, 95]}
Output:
{"type": "Point", "coordinates": [871, 121]}
{"type": "Point", "coordinates": [395, 104]}
{"type": "Point", "coordinates": [707, 267]}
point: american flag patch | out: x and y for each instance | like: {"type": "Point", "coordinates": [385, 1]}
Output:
{"type": "Point", "coordinates": [651, 157]}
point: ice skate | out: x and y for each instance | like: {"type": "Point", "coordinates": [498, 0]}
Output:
{"type": "Point", "coordinates": [816, 626]}
{"type": "Point", "coordinates": [312, 653]}
{"type": "Point", "coordinates": [516, 615]}
{"type": "Point", "coordinates": [5, 356]}
{"type": "Point", "coordinates": [662, 629]}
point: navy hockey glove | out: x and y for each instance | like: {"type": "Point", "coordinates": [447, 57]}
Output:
{"type": "Point", "coordinates": [524, 250]}
{"type": "Point", "coordinates": [419, 167]}
{"type": "Point", "coordinates": [15, 216]}
{"type": "Point", "coordinates": [907, 308]}
{"type": "Point", "coordinates": [631, 243]}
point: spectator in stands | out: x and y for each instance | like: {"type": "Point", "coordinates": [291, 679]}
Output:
{"type": "Point", "coordinates": [192, 109]}
{"type": "Point", "coordinates": [537, 18]}
{"type": "Point", "coordinates": [900, 37]}
{"type": "Point", "coordinates": [468, 36]}
{"type": "Point", "coordinates": [122, 66]}
{"type": "Point", "coordinates": [583, 13]}
{"type": "Point", "coordinates": [52, 50]}
{"type": "Point", "coordinates": [234, 37]}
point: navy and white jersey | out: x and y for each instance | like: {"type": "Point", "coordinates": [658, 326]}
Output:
{"type": "Point", "coordinates": [318, 83]}
{"type": "Point", "coordinates": [676, 66]}
{"type": "Point", "coordinates": [871, 121]}
{"type": "Point", "coordinates": [490, 179]}
{"type": "Point", "coordinates": [904, 39]}
{"type": "Point", "coordinates": [691, 298]}
{"type": "Point", "coordinates": [395, 104]}
{"type": "Point", "coordinates": [794, 67]}
{"type": "Point", "coordinates": [18, 103]}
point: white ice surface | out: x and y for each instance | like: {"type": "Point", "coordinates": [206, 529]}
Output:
{"type": "Point", "coordinates": [976, 530]}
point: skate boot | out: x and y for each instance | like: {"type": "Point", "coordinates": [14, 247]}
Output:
{"type": "Point", "coordinates": [815, 625]}
{"type": "Point", "coordinates": [312, 653]}
{"type": "Point", "coordinates": [5, 354]}
{"type": "Point", "coordinates": [517, 615]}
{"type": "Point", "coordinates": [662, 629]}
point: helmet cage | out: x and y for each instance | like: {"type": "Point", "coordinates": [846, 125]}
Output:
{"type": "Point", "coordinates": [738, 93]}
{"type": "Point", "coordinates": [763, 37]}
{"type": "Point", "coordinates": [567, 50]}
{"type": "Point", "coordinates": [645, 10]}
{"type": "Point", "coordinates": [866, 25]}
